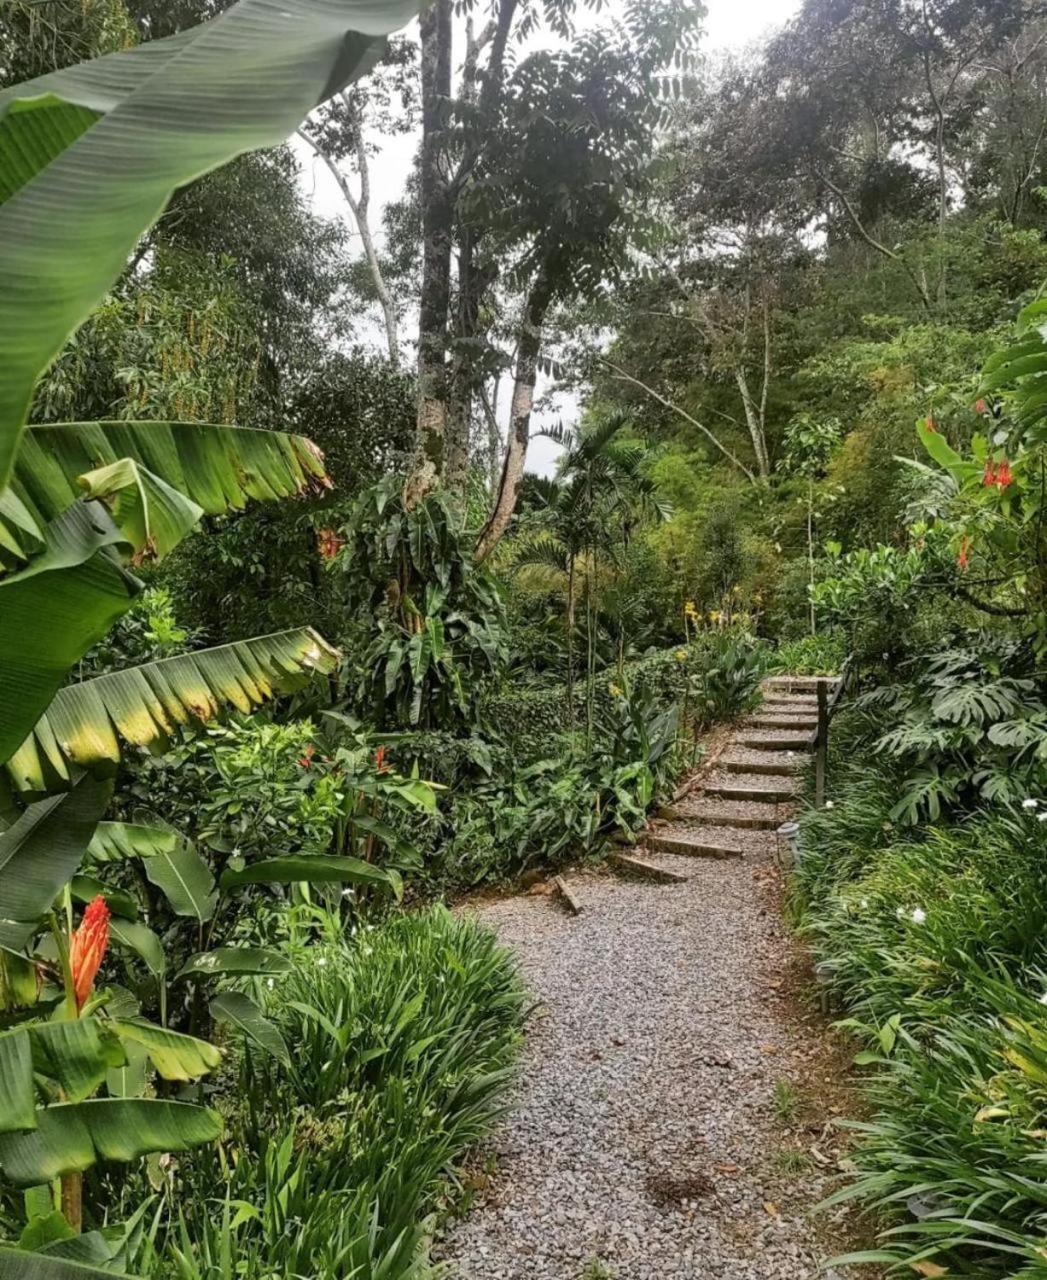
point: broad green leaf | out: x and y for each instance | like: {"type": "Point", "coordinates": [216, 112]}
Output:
{"type": "Point", "coordinates": [164, 114]}
{"type": "Point", "coordinates": [153, 517]}
{"type": "Point", "coordinates": [41, 852]}
{"type": "Point", "coordinates": [140, 939]}
{"type": "Point", "coordinates": [53, 610]}
{"type": "Point", "coordinates": [405, 851]}
{"type": "Point", "coordinates": [45, 1229]}
{"type": "Point", "coordinates": [16, 1265]}
{"type": "Point", "coordinates": [175, 1056]}
{"type": "Point", "coordinates": [17, 1093]}
{"type": "Point", "coordinates": [86, 888]}
{"type": "Point", "coordinates": [238, 960]}
{"type": "Point", "coordinates": [129, 1081]}
{"type": "Point", "coordinates": [185, 880]}
{"type": "Point", "coordinates": [76, 1054]}
{"type": "Point", "coordinates": [145, 705]}
{"type": "Point", "coordinates": [118, 841]}
{"type": "Point", "coordinates": [302, 867]}
{"type": "Point", "coordinates": [236, 1009]}
{"type": "Point", "coordinates": [217, 467]}
{"type": "Point", "coordinates": [945, 455]}
{"type": "Point", "coordinates": [73, 1136]}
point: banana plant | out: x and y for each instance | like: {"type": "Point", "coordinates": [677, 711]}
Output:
{"type": "Point", "coordinates": [89, 157]}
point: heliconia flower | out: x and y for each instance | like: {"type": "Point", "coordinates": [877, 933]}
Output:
{"type": "Point", "coordinates": [306, 759]}
{"type": "Point", "coordinates": [989, 477]}
{"type": "Point", "coordinates": [1003, 475]}
{"type": "Point", "coordinates": [929, 424]}
{"type": "Point", "coordinates": [962, 559]}
{"type": "Point", "coordinates": [379, 760]}
{"type": "Point", "coordinates": [329, 543]}
{"type": "Point", "coordinates": [87, 948]}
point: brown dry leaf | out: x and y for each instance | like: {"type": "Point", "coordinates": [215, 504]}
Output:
{"type": "Point", "coordinates": [768, 1048]}
{"type": "Point", "coordinates": [771, 1208]}
{"type": "Point", "coordinates": [727, 1168]}
{"type": "Point", "coordinates": [929, 1268]}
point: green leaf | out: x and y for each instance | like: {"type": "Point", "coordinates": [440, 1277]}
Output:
{"type": "Point", "coordinates": [73, 1136]}
{"type": "Point", "coordinates": [118, 841]}
{"type": "Point", "coordinates": [17, 1093]}
{"type": "Point", "coordinates": [302, 867]}
{"type": "Point", "coordinates": [140, 939]}
{"type": "Point", "coordinates": [41, 852]}
{"type": "Point", "coordinates": [239, 960]}
{"type": "Point", "coordinates": [217, 467]}
{"type": "Point", "coordinates": [175, 1056]}
{"type": "Point", "coordinates": [75, 1054]}
{"type": "Point", "coordinates": [406, 852]}
{"type": "Point", "coordinates": [129, 1081]}
{"type": "Point", "coordinates": [86, 888]}
{"type": "Point", "coordinates": [53, 610]}
{"type": "Point", "coordinates": [185, 880]}
{"type": "Point", "coordinates": [236, 1009]}
{"type": "Point", "coordinates": [153, 517]}
{"type": "Point", "coordinates": [163, 114]}
{"type": "Point", "coordinates": [145, 705]}
{"type": "Point", "coordinates": [16, 1265]}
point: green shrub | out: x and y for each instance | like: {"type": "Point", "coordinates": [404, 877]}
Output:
{"type": "Point", "coordinates": [403, 1040]}
{"type": "Point", "coordinates": [818, 655]}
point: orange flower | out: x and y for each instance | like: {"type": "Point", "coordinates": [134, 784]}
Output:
{"type": "Point", "coordinates": [1003, 475]}
{"type": "Point", "coordinates": [306, 759]}
{"type": "Point", "coordinates": [87, 948]}
{"type": "Point", "coordinates": [980, 406]}
{"type": "Point", "coordinates": [329, 543]}
{"type": "Point", "coordinates": [379, 760]}
{"type": "Point", "coordinates": [961, 559]}
{"type": "Point", "coordinates": [989, 478]}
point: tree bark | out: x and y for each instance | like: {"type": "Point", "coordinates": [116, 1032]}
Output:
{"type": "Point", "coordinates": [437, 216]}
{"type": "Point", "coordinates": [528, 351]}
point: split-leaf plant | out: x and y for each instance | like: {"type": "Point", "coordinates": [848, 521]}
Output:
{"type": "Point", "coordinates": [89, 157]}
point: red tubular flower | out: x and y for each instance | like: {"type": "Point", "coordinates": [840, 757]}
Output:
{"type": "Point", "coordinates": [306, 759]}
{"type": "Point", "coordinates": [379, 760]}
{"type": "Point", "coordinates": [961, 559]}
{"type": "Point", "coordinates": [1003, 475]}
{"type": "Point", "coordinates": [329, 543]}
{"type": "Point", "coordinates": [989, 478]}
{"type": "Point", "coordinates": [87, 949]}
{"type": "Point", "coordinates": [931, 427]}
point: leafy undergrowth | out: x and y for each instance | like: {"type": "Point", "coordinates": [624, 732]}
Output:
{"type": "Point", "coordinates": [936, 946]}
{"type": "Point", "coordinates": [402, 1044]}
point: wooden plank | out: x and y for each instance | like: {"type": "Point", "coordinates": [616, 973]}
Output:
{"type": "Point", "coordinates": [761, 795]}
{"type": "Point", "coordinates": [649, 870]}
{"type": "Point", "coordinates": [567, 895]}
{"type": "Point", "coordinates": [745, 822]}
{"type": "Point", "coordinates": [692, 847]}
{"type": "Point", "coordinates": [775, 769]}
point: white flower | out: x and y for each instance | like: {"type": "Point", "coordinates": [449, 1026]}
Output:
{"type": "Point", "coordinates": [900, 912]}
{"type": "Point", "coordinates": [1030, 803]}
{"type": "Point", "coordinates": [1042, 817]}
{"type": "Point", "coordinates": [864, 904]}
{"type": "Point", "coordinates": [829, 804]}
{"type": "Point", "coordinates": [321, 962]}
{"type": "Point", "coordinates": [270, 984]}
{"type": "Point", "coordinates": [919, 915]}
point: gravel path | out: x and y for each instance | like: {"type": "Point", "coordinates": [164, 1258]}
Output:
{"type": "Point", "coordinates": [671, 1119]}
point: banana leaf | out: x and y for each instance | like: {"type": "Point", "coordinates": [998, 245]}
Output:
{"type": "Point", "coordinates": [91, 155]}
{"type": "Point", "coordinates": [15, 1264]}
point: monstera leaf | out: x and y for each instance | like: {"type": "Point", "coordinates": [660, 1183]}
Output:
{"type": "Point", "coordinates": [90, 156]}
{"type": "Point", "coordinates": [145, 705]}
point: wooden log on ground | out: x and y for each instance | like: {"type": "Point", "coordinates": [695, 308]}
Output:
{"type": "Point", "coordinates": [648, 870]}
{"type": "Point", "coordinates": [567, 896]}
{"type": "Point", "coordinates": [688, 846]}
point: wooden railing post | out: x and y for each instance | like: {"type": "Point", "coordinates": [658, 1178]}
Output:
{"type": "Point", "coordinates": [821, 756]}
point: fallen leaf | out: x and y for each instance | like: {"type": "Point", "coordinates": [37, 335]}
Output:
{"type": "Point", "coordinates": [771, 1208]}
{"type": "Point", "coordinates": [928, 1268]}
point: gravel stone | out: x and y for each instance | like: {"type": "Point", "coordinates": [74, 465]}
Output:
{"type": "Point", "coordinates": [645, 1132]}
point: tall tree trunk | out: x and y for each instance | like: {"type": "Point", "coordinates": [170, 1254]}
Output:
{"type": "Point", "coordinates": [528, 351]}
{"type": "Point", "coordinates": [437, 216]}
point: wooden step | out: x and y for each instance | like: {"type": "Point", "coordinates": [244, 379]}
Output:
{"type": "Point", "coordinates": [649, 870]}
{"type": "Point", "coordinates": [567, 895]}
{"type": "Point", "coordinates": [776, 769]}
{"type": "Point", "coordinates": [757, 742]}
{"type": "Point", "coordinates": [743, 822]}
{"type": "Point", "coordinates": [760, 795]}
{"type": "Point", "coordinates": [799, 684]}
{"type": "Point", "coordinates": [688, 846]}
{"type": "Point", "coordinates": [782, 722]}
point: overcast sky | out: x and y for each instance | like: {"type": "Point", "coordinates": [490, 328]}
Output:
{"type": "Point", "coordinates": [730, 24]}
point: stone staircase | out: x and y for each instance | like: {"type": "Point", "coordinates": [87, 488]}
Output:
{"type": "Point", "coordinates": [743, 795]}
